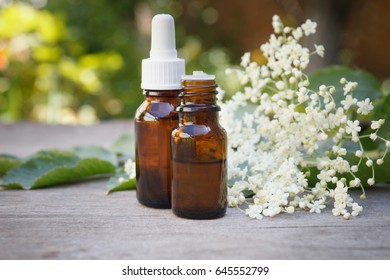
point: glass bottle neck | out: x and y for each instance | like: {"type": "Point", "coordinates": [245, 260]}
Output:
{"type": "Point", "coordinates": [162, 95]}
{"type": "Point", "coordinates": [199, 92]}
{"type": "Point", "coordinates": [200, 117]}
{"type": "Point", "coordinates": [198, 96]}
{"type": "Point", "coordinates": [208, 98]}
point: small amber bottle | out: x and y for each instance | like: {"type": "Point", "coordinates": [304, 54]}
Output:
{"type": "Point", "coordinates": [157, 116]}
{"type": "Point", "coordinates": [199, 181]}
{"type": "Point", "coordinates": [154, 121]}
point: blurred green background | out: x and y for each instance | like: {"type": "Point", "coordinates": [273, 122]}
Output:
{"type": "Point", "coordinates": [79, 61]}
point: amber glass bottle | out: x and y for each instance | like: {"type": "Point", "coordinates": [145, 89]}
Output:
{"type": "Point", "coordinates": [199, 182]}
{"type": "Point", "coordinates": [154, 121]}
{"type": "Point", "coordinates": [157, 116]}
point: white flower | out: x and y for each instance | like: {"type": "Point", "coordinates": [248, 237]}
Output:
{"type": "Point", "coordinates": [369, 163]}
{"type": "Point", "coordinates": [342, 152]}
{"type": "Point", "coordinates": [316, 207]}
{"type": "Point", "coordinates": [290, 209]}
{"type": "Point", "coordinates": [235, 195]}
{"type": "Point", "coordinates": [309, 27]}
{"type": "Point", "coordinates": [370, 181]}
{"type": "Point", "coordinates": [320, 50]}
{"type": "Point", "coordinates": [220, 94]}
{"type": "Point", "coordinates": [348, 102]}
{"type": "Point", "coordinates": [292, 80]}
{"type": "Point", "coordinates": [245, 59]}
{"type": "Point", "coordinates": [364, 106]}
{"type": "Point", "coordinates": [353, 127]}
{"type": "Point", "coordinates": [297, 33]}
{"type": "Point", "coordinates": [349, 86]}
{"type": "Point", "coordinates": [377, 124]}
{"type": "Point", "coordinates": [341, 197]}
{"type": "Point", "coordinates": [254, 211]}
{"type": "Point", "coordinates": [359, 153]}
{"type": "Point", "coordinates": [373, 136]}
{"type": "Point", "coordinates": [322, 89]}
{"type": "Point", "coordinates": [280, 85]}
{"type": "Point", "coordinates": [356, 209]}
{"type": "Point", "coordinates": [285, 124]}
{"type": "Point", "coordinates": [338, 209]}
{"type": "Point", "coordinates": [130, 168]}
{"type": "Point", "coordinates": [355, 183]}
{"type": "Point", "coordinates": [272, 211]}
{"type": "Point", "coordinates": [379, 161]}
{"type": "Point", "coordinates": [277, 24]}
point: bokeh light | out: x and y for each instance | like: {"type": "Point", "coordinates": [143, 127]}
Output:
{"type": "Point", "coordinates": [80, 61]}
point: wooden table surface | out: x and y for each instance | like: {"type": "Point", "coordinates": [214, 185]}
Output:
{"type": "Point", "coordinates": [79, 221]}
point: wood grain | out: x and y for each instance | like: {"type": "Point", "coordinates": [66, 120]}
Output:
{"type": "Point", "coordinates": [79, 221]}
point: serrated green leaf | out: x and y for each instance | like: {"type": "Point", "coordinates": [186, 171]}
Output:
{"type": "Point", "coordinates": [368, 85]}
{"type": "Point", "coordinates": [48, 168]}
{"type": "Point", "coordinates": [7, 162]}
{"type": "Point", "coordinates": [124, 145]}
{"type": "Point", "coordinates": [113, 184]}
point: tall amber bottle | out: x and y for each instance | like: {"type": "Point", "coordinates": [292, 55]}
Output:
{"type": "Point", "coordinates": [199, 182]}
{"type": "Point", "coordinates": [157, 116]}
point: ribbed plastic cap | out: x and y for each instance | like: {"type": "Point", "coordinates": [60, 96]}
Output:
{"type": "Point", "coordinates": [163, 69]}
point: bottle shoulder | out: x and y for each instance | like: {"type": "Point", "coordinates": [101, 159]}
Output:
{"type": "Point", "coordinates": [155, 109]}
{"type": "Point", "coordinates": [200, 130]}
{"type": "Point", "coordinates": [198, 143]}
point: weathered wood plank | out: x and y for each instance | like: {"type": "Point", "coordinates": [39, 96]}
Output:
{"type": "Point", "coordinates": [79, 221]}
{"type": "Point", "coordinates": [22, 139]}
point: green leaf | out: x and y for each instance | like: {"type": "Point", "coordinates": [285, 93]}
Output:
{"type": "Point", "coordinates": [96, 152]}
{"type": "Point", "coordinates": [124, 145]}
{"type": "Point", "coordinates": [7, 162]}
{"type": "Point", "coordinates": [113, 184]}
{"type": "Point", "coordinates": [48, 168]}
{"type": "Point", "coordinates": [368, 85]}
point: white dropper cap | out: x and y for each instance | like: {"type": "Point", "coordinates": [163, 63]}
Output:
{"type": "Point", "coordinates": [163, 70]}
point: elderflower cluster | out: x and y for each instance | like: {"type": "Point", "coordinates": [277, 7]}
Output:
{"type": "Point", "coordinates": [279, 130]}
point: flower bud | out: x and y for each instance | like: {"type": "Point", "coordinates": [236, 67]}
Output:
{"type": "Point", "coordinates": [347, 216]}
{"type": "Point", "coordinates": [379, 161]}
